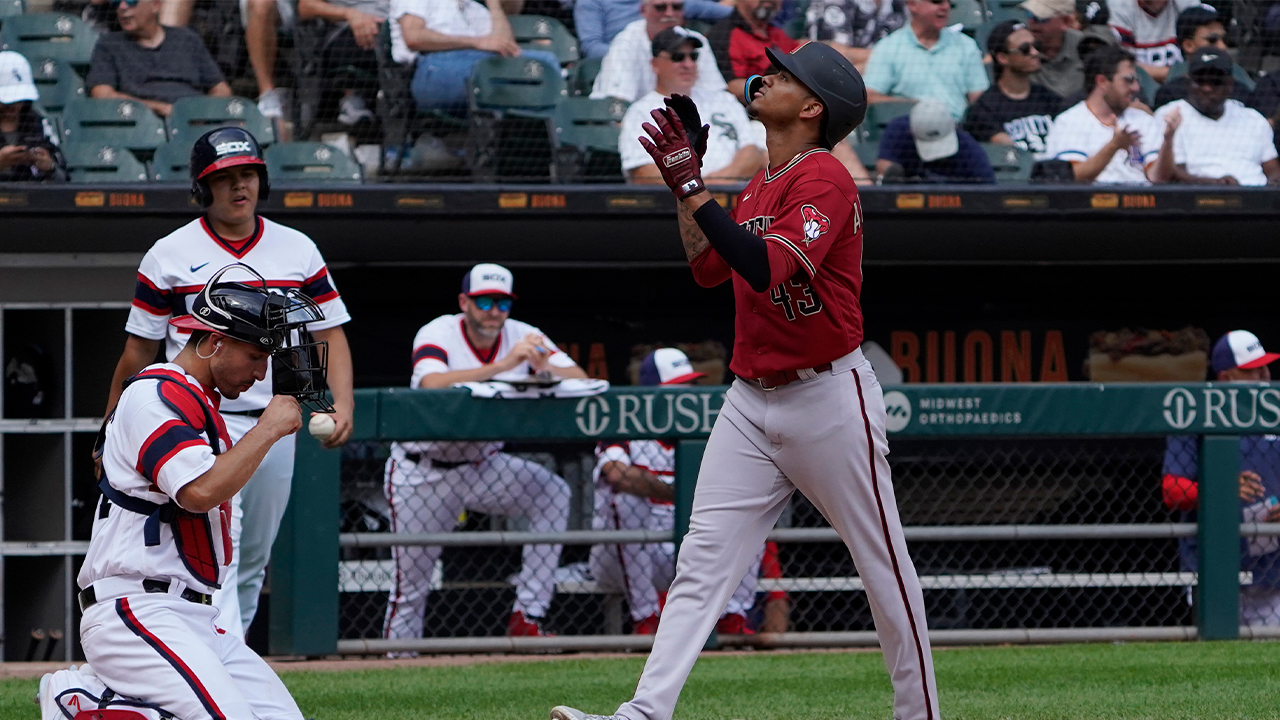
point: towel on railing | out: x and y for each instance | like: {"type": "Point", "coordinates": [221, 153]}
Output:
{"type": "Point", "coordinates": [570, 388]}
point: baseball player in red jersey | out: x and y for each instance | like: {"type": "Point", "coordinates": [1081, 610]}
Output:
{"type": "Point", "coordinates": [806, 412]}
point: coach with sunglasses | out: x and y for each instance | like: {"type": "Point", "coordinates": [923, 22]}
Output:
{"type": "Point", "coordinates": [151, 63]}
{"type": "Point", "coordinates": [923, 59]}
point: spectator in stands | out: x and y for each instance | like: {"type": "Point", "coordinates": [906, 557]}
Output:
{"type": "Point", "coordinates": [352, 33]}
{"type": "Point", "coordinates": [853, 26]}
{"type": "Point", "coordinates": [739, 41]}
{"type": "Point", "coordinates": [598, 22]}
{"type": "Point", "coordinates": [1149, 29]}
{"type": "Point", "coordinates": [263, 20]}
{"type": "Point", "coordinates": [735, 147]}
{"type": "Point", "coordinates": [1014, 111]}
{"type": "Point", "coordinates": [448, 39]}
{"type": "Point", "coordinates": [1105, 139]}
{"type": "Point", "coordinates": [924, 59]}
{"type": "Point", "coordinates": [1238, 356]}
{"type": "Point", "coordinates": [151, 63]}
{"type": "Point", "coordinates": [925, 146]}
{"type": "Point", "coordinates": [1218, 141]}
{"type": "Point", "coordinates": [626, 72]}
{"type": "Point", "coordinates": [1052, 23]}
{"type": "Point", "coordinates": [1198, 27]}
{"type": "Point", "coordinates": [28, 142]}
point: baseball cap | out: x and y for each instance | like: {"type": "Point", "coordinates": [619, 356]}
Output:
{"type": "Point", "coordinates": [672, 38]}
{"type": "Point", "coordinates": [1240, 349]}
{"type": "Point", "coordinates": [1209, 58]}
{"type": "Point", "coordinates": [1049, 9]}
{"type": "Point", "coordinates": [667, 366]}
{"type": "Point", "coordinates": [16, 84]}
{"type": "Point", "coordinates": [934, 130]}
{"type": "Point", "coordinates": [487, 279]}
{"type": "Point", "coordinates": [1195, 17]}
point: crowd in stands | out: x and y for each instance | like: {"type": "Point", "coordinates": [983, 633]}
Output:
{"type": "Point", "coordinates": [1103, 91]}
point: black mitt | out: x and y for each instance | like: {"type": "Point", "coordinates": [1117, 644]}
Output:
{"type": "Point", "coordinates": [697, 133]}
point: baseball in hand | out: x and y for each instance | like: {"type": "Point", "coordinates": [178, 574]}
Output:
{"type": "Point", "coordinates": [321, 426]}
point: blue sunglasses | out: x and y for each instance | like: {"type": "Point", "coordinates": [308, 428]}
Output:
{"type": "Point", "coordinates": [485, 303]}
{"type": "Point", "coordinates": [117, 3]}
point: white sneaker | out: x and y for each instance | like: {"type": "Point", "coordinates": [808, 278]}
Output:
{"type": "Point", "coordinates": [271, 104]}
{"type": "Point", "coordinates": [351, 110]}
{"type": "Point", "coordinates": [563, 712]}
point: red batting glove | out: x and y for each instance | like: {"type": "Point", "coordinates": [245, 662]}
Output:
{"type": "Point", "coordinates": [671, 150]}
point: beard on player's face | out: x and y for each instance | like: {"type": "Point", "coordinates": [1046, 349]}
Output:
{"type": "Point", "coordinates": [484, 324]}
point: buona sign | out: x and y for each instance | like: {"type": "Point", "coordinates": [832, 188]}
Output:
{"type": "Point", "coordinates": [623, 415]}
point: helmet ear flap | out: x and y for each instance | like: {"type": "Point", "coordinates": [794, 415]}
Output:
{"type": "Point", "coordinates": [200, 191]}
{"type": "Point", "coordinates": [264, 183]}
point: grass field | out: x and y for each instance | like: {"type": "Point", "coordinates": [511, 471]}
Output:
{"type": "Point", "coordinates": [1203, 681]}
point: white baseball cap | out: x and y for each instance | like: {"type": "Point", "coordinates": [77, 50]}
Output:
{"type": "Point", "coordinates": [487, 279]}
{"type": "Point", "coordinates": [667, 366]}
{"type": "Point", "coordinates": [16, 83]}
{"type": "Point", "coordinates": [1240, 349]}
{"type": "Point", "coordinates": [934, 129]}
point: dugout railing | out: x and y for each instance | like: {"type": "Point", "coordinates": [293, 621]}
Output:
{"type": "Point", "coordinates": [1034, 513]}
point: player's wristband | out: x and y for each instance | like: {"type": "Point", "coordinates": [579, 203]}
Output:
{"type": "Point", "coordinates": [746, 253]}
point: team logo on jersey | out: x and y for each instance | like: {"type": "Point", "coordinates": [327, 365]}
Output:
{"type": "Point", "coordinates": [815, 223]}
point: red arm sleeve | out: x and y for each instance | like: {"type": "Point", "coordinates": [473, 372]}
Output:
{"type": "Point", "coordinates": [1180, 493]}
{"type": "Point", "coordinates": [709, 269]}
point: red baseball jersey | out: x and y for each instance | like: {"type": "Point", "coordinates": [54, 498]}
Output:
{"type": "Point", "coordinates": [810, 208]}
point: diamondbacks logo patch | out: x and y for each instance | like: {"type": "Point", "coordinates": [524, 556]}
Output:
{"type": "Point", "coordinates": [815, 223]}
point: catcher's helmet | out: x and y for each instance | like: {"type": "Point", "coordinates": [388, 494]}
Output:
{"type": "Point", "coordinates": [272, 319]}
{"type": "Point", "coordinates": [832, 78]}
{"type": "Point", "coordinates": [224, 148]}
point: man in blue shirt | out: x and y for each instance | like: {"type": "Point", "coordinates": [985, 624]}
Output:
{"type": "Point", "coordinates": [924, 59]}
{"type": "Point", "coordinates": [925, 146]}
{"type": "Point", "coordinates": [597, 21]}
{"type": "Point", "coordinates": [1237, 357]}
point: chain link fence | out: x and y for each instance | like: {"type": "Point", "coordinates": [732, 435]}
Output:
{"type": "Point", "coordinates": [1008, 533]}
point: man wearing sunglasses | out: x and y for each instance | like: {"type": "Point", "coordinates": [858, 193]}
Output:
{"type": "Point", "coordinates": [1014, 111]}
{"type": "Point", "coordinates": [735, 147]}
{"type": "Point", "coordinates": [429, 484]}
{"type": "Point", "coordinates": [1200, 27]}
{"type": "Point", "coordinates": [1218, 141]}
{"type": "Point", "coordinates": [150, 63]}
{"type": "Point", "coordinates": [626, 72]}
{"type": "Point", "coordinates": [925, 60]}
{"type": "Point", "coordinates": [598, 22]}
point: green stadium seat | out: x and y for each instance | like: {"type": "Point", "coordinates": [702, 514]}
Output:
{"type": "Point", "coordinates": [172, 163]}
{"type": "Point", "coordinates": [585, 133]}
{"type": "Point", "coordinates": [89, 162]}
{"type": "Point", "coordinates": [1000, 10]}
{"type": "Point", "coordinates": [196, 115]}
{"type": "Point", "coordinates": [310, 162]}
{"type": "Point", "coordinates": [9, 8]}
{"type": "Point", "coordinates": [1011, 164]}
{"type": "Point", "coordinates": [1147, 86]}
{"type": "Point", "coordinates": [120, 123]}
{"type": "Point", "coordinates": [49, 35]}
{"type": "Point", "coordinates": [539, 32]}
{"type": "Point", "coordinates": [879, 115]}
{"type": "Point", "coordinates": [57, 83]}
{"type": "Point", "coordinates": [523, 86]}
{"type": "Point", "coordinates": [583, 76]}
{"type": "Point", "coordinates": [868, 153]}
{"type": "Point", "coordinates": [969, 13]}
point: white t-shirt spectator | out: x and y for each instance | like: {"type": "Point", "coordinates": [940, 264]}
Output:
{"type": "Point", "coordinates": [459, 18]}
{"type": "Point", "coordinates": [1235, 144]}
{"type": "Point", "coordinates": [626, 72]}
{"type": "Point", "coordinates": [1153, 39]}
{"type": "Point", "coordinates": [1078, 134]}
{"type": "Point", "coordinates": [731, 130]}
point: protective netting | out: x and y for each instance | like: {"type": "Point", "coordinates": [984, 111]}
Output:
{"type": "Point", "coordinates": [537, 91]}
{"type": "Point", "coordinates": [1081, 578]}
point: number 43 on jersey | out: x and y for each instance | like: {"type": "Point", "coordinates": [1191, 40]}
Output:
{"type": "Point", "coordinates": [796, 298]}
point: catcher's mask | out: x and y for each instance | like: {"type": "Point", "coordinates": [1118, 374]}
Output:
{"type": "Point", "coordinates": [274, 319]}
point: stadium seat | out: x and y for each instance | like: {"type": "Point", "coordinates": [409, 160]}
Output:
{"type": "Point", "coordinates": [519, 85]}
{"type": "Point", "coordinates": [539, 32]}
{"type": "Point", "coordinates": [1147, 86]}
{"type": "Point", "coordinates": [970, 14]}
{"type": "Point", "coordinates": [194, 116]}
{"type": "Point", "coordinates": [57, 83]}
{"type": "Point", "coordinates": [120, 123]}
{"type": "Point", "coordinates": [49, 35]}
{"type": "Point", "coordinates": [1011, 164]}
{"type": "Point", "coordinates": [172, 163]}
{"type": "Point", "coordinates": [310, 162]}
{"type": "Point", "coordinates": [583, 76]}
{"type": "Point", "coordinates": [512, 101]}
{"type": "Point", "coordinates": [9, 8]}
{"type": "Point", "coordinates": [1000, 10]}
{"type": "Point", "coordinates": [880, 115]}
{"type": "Point", "coordinates": [868, 153]}
{"type": "Point", "coordinates": [90, 162]}
{"type": "Point", "coordinates": [586, 140]}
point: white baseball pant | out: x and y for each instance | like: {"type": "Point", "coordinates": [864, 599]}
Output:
{"type": "Point", "coordinates": [256, 513]}
{"type": "Point", "coordinates": [427, 500]}
{"type": "Point", "coordinates": [167, 651]}
{"type": "Point", "coordinates": [825, 437]}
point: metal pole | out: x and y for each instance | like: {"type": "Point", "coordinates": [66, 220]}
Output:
{"type": "Point", "coordinates": [68, 591]}
{"type": "Point", "coordinates": [1219, 539]}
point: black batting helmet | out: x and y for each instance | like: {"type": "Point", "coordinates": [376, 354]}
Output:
{"type": "Point", "coordinates": [272, 319]}
{"type": "Point", "coordinates": [223, 148]}
{"type": "Point", "coordinates": [833, 79]}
